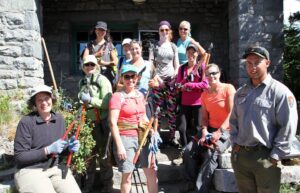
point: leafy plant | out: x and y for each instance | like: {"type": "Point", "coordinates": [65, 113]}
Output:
{"type": "Point", "coordinates": [290, 188]}
{"type": "Point", "coordinates": [81, 159]}
{"type": "Point", "coordinates": [5, 110]}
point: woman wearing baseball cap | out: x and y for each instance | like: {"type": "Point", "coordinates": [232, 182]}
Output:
{"type": "Point", "coordinates": [38, 137]}
{"type": "Point", "coordinates": [127, 112]}
{"type": "Point", "coordinates": [104, 50]}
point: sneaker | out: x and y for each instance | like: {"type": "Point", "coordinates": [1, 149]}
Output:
{"type": "Point", "coordinates": [175, 143]}
{"type": "Point", "coordinates": [178, 161]}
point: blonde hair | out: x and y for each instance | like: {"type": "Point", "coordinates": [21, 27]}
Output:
{"type": "Point", "coordinates": [212, 65]}
{"type": "Point", "coordinates": [185, 23]}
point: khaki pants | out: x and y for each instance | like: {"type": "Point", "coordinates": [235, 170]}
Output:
{"type": "Point", "coordinates": [35, 180]}
{"type": "Point", "coordinates": [254, 172]}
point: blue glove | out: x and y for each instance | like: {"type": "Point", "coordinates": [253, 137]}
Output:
{"type": "Point", "coordinates": [57, 147]}
{"type": "Point", "coordinates": [86, 97]}
{"type": "Point", "coordinates": [74, 145]}
{"type": "Point", "coordinates": [154, 142]}
{"type": "Point", "coordinates": [208, 138]}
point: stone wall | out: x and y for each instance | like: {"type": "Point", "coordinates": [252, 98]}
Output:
{"type": "Point", "coordinates": [21, 64]}
{"type": "Point", "coordinates": [230, 25]}
{"type": "Point", "coordinates": [255, 22]}
{"type": "Point", "coordinates": [62, 18]}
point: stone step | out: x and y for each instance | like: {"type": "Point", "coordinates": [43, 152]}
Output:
{"type": "Point", "coordinates": [175, 187]}
{"type": "Point", "coordinates": [167, 172]}
{"type": "Point", "coordinates": [224, 179]}
{"type": "Point", "coordinates": [7, 186]}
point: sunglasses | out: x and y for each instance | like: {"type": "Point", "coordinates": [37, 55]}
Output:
{"type": "Point", "coordinates": [211, 73]}
{"type": "Point", "coordinates": [184, 29]}
{"type": "Point", "coordinates": [128, 77]}
{"type": "Point", "coordinates": [90, 64]}
{"type": "Point", "coordinates": [162, 30]}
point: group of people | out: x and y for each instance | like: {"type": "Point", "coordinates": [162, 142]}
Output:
{"type": "Point", "coordinates": [258, 120]}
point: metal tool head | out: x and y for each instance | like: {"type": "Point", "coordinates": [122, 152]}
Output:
{"type": "Point", "coordinates": [211, 46]}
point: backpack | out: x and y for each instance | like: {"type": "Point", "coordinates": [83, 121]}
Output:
{"type": "Point", "coordinates": [83, 82]}
{"type": "Point", "coordinates": [189, 77]}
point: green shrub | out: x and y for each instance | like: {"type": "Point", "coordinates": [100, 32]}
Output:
{"type": "Point", "coordinates": [5, 110]}
{"type": "Point", "coordinates": [290, 188]}
{"type": "Point", "coordinates": [81, 159]}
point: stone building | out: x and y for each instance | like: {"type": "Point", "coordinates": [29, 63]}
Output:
{"type": "Point", "coordinates": [230, 25]}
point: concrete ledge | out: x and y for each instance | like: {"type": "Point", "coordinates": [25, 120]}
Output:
{"type": "Point", "coordinates": [224, 179]}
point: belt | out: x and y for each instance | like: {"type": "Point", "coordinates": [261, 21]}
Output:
{"type": "Point", "coordinates": [249, 148]}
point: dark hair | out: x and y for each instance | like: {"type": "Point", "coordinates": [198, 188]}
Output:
{"type": "Point", "coordinates": [107, 36]}
{"type": "Point", "coordinates": [31, 102]}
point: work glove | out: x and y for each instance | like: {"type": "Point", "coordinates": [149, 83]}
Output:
{"type": "Point", "coordinates": [74, 145]}
{"type": "Point", "coordinates": [57, 147]}
{"type": "Point", "coordinates": [208, 139]}
{"type": "Point", "coordinates": [86, 97]}
{"type": "Point", "coordinates": [155, 141]}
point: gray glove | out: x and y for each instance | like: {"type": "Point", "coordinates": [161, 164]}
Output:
{"type": "Point", "coordinates": [86, 97]}
{"type": "Point", "coordinates": [57, 147]}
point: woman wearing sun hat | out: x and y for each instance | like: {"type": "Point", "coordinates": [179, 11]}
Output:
{"type": "Point", "coordinates": [38, 137]}
{"type": "Point", "coordinates": [95, 91]}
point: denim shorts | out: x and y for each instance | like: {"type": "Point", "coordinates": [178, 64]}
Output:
{"type": "Point", "coordinates": [146, 159]}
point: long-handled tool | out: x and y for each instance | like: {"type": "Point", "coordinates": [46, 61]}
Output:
{"type": "Point", "coordinates": [81, 122]}
{"type": "Point", "coordinates": [138, 151]}
{"type": "Point", "coordinates": [208, 55]}
{"type": "Point", "coordinates": [50, 65]}
{"type": "Point", "coordinates": [107, 146]}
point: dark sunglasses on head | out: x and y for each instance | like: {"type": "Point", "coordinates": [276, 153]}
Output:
{"type": "Point", "coordinates": [90, 64]}
{"type": "Point", "coordinates": [184, 29]}
{"type": "Point", "coordinates": [211, 73]}
{"type": "Point", "coordinates": [162, 30]}
{"type": "Point", "coordinates": [128, 77]}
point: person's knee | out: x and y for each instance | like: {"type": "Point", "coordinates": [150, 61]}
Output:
{"type": "Point", "coordinates": [126, 178]}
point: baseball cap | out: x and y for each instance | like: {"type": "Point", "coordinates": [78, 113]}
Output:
{"type": "Point", "coordinates": [101, 25]}
{"type": "Point", "coordinates": [88, 59]}
{"type": "Point", "coordinates": [40, 88]}
{"type": "Point", "coordinates": [128, 68]}
{"type": "Point", "coordinates": [126, 41]}
{"type": "Point", "coordinates": [192, 46]}
{"type": "Point", "coordinates": [257, 50]}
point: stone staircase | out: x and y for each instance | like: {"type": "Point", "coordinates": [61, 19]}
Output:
{"type": "Point", "coordinates": [171, 177]}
